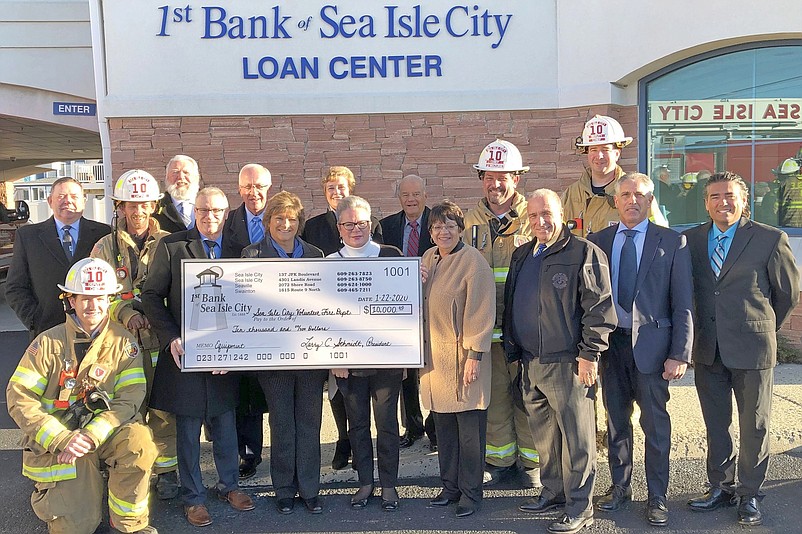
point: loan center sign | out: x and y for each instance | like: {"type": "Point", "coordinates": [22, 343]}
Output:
{"type": "Point", "coordinates": [756, 110]}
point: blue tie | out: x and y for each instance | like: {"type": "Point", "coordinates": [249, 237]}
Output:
{"type": "Point", "coordinates": [540, 248]}
{"type": "Point", "coordinates": [717, 258]}
{"type": "Point", "coordinates": [627, 272]}
{"type": "Point", "coordinates": [257, 231]}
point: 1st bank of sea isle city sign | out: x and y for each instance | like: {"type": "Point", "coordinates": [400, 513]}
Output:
{"type": "Point", "coordinates": [334, 22]}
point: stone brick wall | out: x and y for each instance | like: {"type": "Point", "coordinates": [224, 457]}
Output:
{"type": "Point", "coordinates": [380, 149]}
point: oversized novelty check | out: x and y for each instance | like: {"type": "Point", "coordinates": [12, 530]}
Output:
{"type": "Point", "coordinates": [253, 314]}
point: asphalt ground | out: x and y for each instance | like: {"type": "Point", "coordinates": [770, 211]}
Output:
{"type": "Point", "coordinates": [420, 482]}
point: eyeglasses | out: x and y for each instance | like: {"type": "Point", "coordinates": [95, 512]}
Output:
{"type": "Point", "coordinates": [437, 228]}
{"type": "Point", "coordinates": [214, 211]}
{"type": "Point", "coordinates": [254, 187]}
{"type": "Point", "coordinates": [349, 226]}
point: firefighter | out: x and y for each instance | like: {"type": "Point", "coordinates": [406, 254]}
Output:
{"type": "Point", "coordinates": [789, 203]}
{"type": "Point", "coordinates": [496, 226]}
{"type": "Point", "coordinates": [589, 201]}
{"type": "Point", "coordinates": [129, 249]}
{"type": "Point", "coordinates": [76, 395]}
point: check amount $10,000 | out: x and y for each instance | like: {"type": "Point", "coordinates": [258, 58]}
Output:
{"type": "Point", "coordinates": [256, 314]}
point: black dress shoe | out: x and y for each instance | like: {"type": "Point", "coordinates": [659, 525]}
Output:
{"type": "Point", "coordinates": [433, 446]}
{"type": "Point", "coordinates": [361, 497]}
{"type": "Point", "coordinates": [389, 505]}
{"type": "Point", "coordinates": [713, 499]}
{"type": "Point", "coordinates": [615, 497]}
{"type": "Point", "coordinates": [389, 499]}
{"type": "Point", "coordinates": [442, 500]}
{"type": "Point", "coordinates": [749, 512]}
{"type": "Point", "coordinates": [408, 440]}
{"type": "Point", "coordinates": [464, 511]}
{"type": "Point", "coordinates": [540, 504]}
{"type": "Point", "coordinates": [657, 511]}
{"type": "Point", "coordinates": [342, 453]}
{"type": "Point", "coordinates": [314, 505]}
{"type": "Point", "coordinates": [568, 525]}
{"type": "Point", "coordinates": [285, 506]}
{"type": "Point", "coordinates": [247, 467]}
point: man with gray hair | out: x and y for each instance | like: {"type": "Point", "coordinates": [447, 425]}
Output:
{"type": "Point", "coordinates": [409, 231]}
{"type": "Point", "coordinates": [651, 276]}
{"type": "Point", "coordinates": [244, 226]}
{"type": "Point", "coordinates": [558, 314]}
{"type": "Point", "coordinates": [181, 184]}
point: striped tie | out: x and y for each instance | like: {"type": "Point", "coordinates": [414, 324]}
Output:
{"type": "Point", "coordinates": [414, 239]}
{"type": "Point", "coordinates": [540, 248]}
{"type": "Point", "coordinates": [257, 231]}
{"type": "Point", "coordinates": [717, 259]}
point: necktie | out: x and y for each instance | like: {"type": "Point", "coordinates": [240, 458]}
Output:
{"type": "Point", "coordinates": [257, 230]}
{"type": "Point", "coordinates": [212, 248]}
{"type": "Point", "coordinates": [66, 241]}
{"type": "Point", "coordinates": [540, 248]}
{"type": "Point", "coordinates": [183, 209]}
{"type": "Point", "coordinates": [627, 272]}
{"type": "Point", "coordinates": [717, 258]}
{"type": "Point", "coordinates": [414, 239]}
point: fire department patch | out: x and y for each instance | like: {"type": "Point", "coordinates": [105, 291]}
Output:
{"type": "Point", "coordinates": [559, 280]}
{"type": "Point", "coordinates": [133, 350]}
{"type": "Point", "coordinates": [98, 372]}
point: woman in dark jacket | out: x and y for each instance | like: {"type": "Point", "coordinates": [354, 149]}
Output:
{"type": "Point", "coordinates": [322, 232]}
{"type": "Point", "coordinates": [295, 396]}
{"type": "Point", "coordinates": [363, 387]}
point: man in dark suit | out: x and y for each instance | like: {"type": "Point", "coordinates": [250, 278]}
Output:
{"type": "Point", "coordinates": [175, 212]}
{"type": "Point", "coordinates": [409, 231]}
{"type": "Point", "coordinates": [243, 227]}
{"type": "Point", "coordinates": [746, 283]}
{"type": "Point", "coordinates": [198, 397]}
{"type": "Point", "coordinates": [44, 252]}
{"type": "Point", "coordinates": [651, 272]}
{"type": "Point", "coordinates": [558, 314]}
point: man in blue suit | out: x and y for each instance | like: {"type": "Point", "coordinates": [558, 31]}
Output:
{"type": "Point", "coordinates": [651, 279]}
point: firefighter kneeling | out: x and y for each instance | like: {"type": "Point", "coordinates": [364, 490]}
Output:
{"type": "Point", "coordinates": [76, 395]}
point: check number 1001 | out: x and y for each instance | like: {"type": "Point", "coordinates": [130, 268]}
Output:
{"type": "Point", "coordinates": [396, 271]}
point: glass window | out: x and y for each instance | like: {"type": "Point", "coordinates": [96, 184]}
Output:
{"type": "Point", "coordinates": [738, 110]}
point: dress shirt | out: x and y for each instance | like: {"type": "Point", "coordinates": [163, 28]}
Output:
{"type": "Point", "coordinates": [73, 232]}
{"type": "Point", "coordinates": [624, 317]}
{"type": "Point", "coordinates": [189, 206]}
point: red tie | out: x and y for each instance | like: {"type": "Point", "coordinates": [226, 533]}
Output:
{"type": "Point", "coordinates": [414, 239]}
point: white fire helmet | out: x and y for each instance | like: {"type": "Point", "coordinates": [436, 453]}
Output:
{"type": "Point", "coordinates": [136, 186]}
{"type": "Point", "coordinates": [501, 156]}
{"type": "Point", "coordinates": [602, 130]}
{"type": "Point", "coordinates": [789, 166]}
{"type": "Point", "coordinates": [91, 276]}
